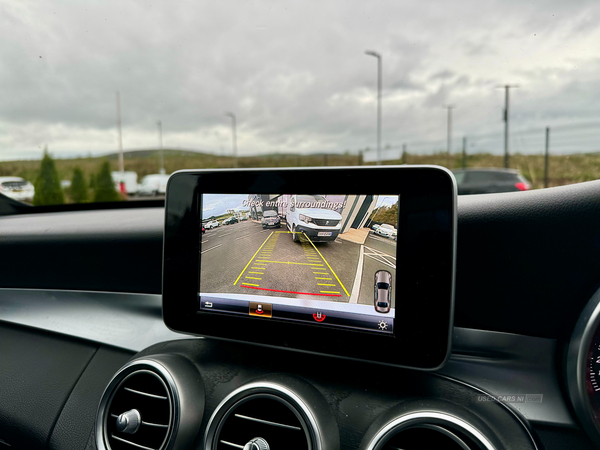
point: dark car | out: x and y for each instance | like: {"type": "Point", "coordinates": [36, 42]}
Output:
{"type": "Point", "coordinates": [271, 219]}
{"type": "Point", "coordinates": [231, 220]}
{"type": "Point", "coordinates": [489, 181]}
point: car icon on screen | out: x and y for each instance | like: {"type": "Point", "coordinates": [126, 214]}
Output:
{"type": "Point", "coordinates": [383, 291]}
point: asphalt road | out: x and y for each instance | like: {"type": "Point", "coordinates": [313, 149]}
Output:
{"type": "Point", "coordinates": [243, 258]}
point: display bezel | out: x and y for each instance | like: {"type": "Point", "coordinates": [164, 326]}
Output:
{"type": "Point", "coordinates": [425, 262]}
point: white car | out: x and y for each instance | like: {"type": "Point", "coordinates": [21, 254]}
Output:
{"type": "Point", "coordinates": [155, 184]}
{"type": "Point", "coordinates": [17, 188]}
{"type": "Point", "coordinates": [387, 230]}
{"type": "Point", "coordinates": [212, 224]}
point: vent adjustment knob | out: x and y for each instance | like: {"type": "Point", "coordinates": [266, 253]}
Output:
{"type": "Point", "coordinates": [129, 421]}
{"type": "Point", "coordinates": [257, 444]}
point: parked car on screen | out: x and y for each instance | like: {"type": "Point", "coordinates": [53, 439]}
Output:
{"type": "Point", "coordinates": [489, 181]}
{"type": "Point", "coordinates": [271, 219]}
{"type": "Point", "coordinates": [126, 182]}
{"type": "Point", "coordinates": [17, 188]}
{"type": "Point", "coordinates": [231, 220]}
{"type": "Point", "coordinates": [375, 226]}
{"type": "Point", "coordinates": [383, 291]}
{"type": "Point", "coordinates": [152, 185]}
{"type": "Point", "coordinates": [212, 224]}
{"type": "Point", "coordinates": [386, 230]}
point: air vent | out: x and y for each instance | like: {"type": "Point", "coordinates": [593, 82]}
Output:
{"type": "Point", "coordinates": [137, 410]}
{"type": "Point", "coordinates": [271, 419]}
{"type": "Point", "coordinates": [421, 430]}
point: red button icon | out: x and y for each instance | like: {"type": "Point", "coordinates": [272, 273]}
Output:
{"type": "Point", "coordinates": [319, 317]}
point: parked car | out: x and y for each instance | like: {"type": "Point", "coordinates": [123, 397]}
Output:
{"type": "Point", "coordinates": [319, 224]}
{"type": "Point", "coordinates": [17, 188]}
{"type": "Point", "coordinates": [375, 226]}
{"type": "Point", "coordinates": [231, 220]}
{"type": "Point", "coordinates": [152, 185]}
{"type": "Point", "coordinates": [383, 291]}
{"type": "Point", "coordinates": [271, 219]}
{"type": "Point", "coordinates": [212, 224]}
{"type": "Point", "coordinates": [489, 180]}
{"type": "Point", "coordinates": [386, 230]}
{"type": "Point", "coordinates": [126, 182]}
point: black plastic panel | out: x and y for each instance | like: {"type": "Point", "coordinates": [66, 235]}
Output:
{"type": "Point", "coordinates": [37, 374]}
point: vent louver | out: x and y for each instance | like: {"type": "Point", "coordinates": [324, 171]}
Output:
{"type": "Point", "coordinates": [429, 430]}
{"type": "Point", "coordinates": [139, 413]}
{"type": "Point", "coordinates": [265, 417]}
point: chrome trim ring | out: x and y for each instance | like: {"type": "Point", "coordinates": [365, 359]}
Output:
{"type": "Point", "coordinates": [261, 388]}
{"type": "Point", "coordinates": [129, 369]}
{"type": "Point", "coordinates": [578, 365]}
{"type": "Point", "coordinates": [427, 417]}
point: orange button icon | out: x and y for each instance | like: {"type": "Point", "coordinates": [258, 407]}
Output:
{"type": "Point", "coordinates": [261, 309]}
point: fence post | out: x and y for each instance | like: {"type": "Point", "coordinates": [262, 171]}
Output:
{"type": "Point", "coordinates": [404, 154]}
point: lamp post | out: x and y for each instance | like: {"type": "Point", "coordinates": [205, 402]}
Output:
{"type": "Point", "coordinates": [161, 169]}
{"type": "Point", "coordinates": [378, 56]}
{"type": "Point", "coordinates": [234, 137]}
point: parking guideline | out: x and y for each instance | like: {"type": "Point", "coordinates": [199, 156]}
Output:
{"type": "Point", "coordinates": [242, 273]}
{"type": "Point", "coordinates": [325, 261]}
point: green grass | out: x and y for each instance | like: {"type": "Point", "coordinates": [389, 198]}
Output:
{"type": "Point", "coordinates": [563, 169]}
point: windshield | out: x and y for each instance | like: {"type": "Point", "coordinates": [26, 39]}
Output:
{"type": "Point", "coordinates": [94, 101]}
{"type": "Point", "coordinates": [269, 213]}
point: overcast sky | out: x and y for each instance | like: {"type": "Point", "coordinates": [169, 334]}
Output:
{"type": "Point", "coordinates": [296, 75]}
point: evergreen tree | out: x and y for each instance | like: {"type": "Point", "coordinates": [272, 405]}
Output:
{"type": "Point", "coordinates": [105, 190]}
{"type": "Point", "coordinates": [79, 187]}
{"type": "Point", "coordinates": [47, 184]}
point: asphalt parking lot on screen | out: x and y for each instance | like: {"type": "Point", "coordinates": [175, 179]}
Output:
{"type": "Point", "coordinates": [244, 258]}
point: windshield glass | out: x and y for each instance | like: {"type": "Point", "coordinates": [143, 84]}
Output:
{"type": "Point", "coordinates": [94, 101]}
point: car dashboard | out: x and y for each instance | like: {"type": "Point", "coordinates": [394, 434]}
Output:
{"type": "Point", "coordinates": [82, 339]}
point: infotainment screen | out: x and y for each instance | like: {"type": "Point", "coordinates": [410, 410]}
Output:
{"type": "Point", "coordinates": [353, 262]}
{"type": "Point", "coordinates": [325, 259]}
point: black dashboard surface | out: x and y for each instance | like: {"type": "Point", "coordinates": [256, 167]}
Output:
{"type": "Point", "coordinates": [526, 263]}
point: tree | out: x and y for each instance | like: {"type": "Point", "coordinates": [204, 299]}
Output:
{"type": "Point", "coordinates": [105, 186]}
{"type": "Point", "coordinates": [79, 187]}
{"type": "Point", "coordinates": [47, 184]}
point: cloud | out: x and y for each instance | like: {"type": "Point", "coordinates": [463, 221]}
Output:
{"type": "Point", "coordinates": [294, 72]}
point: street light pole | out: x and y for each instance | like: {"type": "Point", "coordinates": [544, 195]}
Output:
{"type": "Point", "coordinates": [378, 56]}
{"type": "Point", "coordinates": [161, 169]}
{"type": "Point", "coordinates": [121, 162]}
{"type": "Point", "coordinates": [449, 143]}
{"type": "Point", "coordinates": [234, 136]}
{"type": "Point", "coordinates": [506, 120]}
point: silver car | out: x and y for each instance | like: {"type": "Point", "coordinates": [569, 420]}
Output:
{"type": "Point", "coordinates": [383, 291]}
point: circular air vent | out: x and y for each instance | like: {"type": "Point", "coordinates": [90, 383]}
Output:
{"type": "Point", "coordinates": [264, 416]}
{"type": "Point", "coordinates": [138, 409]}
{"type": "Point", "coordinates": [429, 430]}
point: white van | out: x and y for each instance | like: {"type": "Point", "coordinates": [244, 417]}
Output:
{"type": "Point", "coordinates": [308, 214]}
{"type": "Point", "coordinates": [129, 180]}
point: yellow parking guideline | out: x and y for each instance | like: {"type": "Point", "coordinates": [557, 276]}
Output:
{"type": "Point", "coordinates": [254, 278]}
{"type": "Point", "coordinates": [240, 276]}
{"type": "Point", "coordinates": [332, 271]}
{"type": "Point", "coordinates": [250, 284]}
{"type": "Point", "coordinates": [288, 262]}
{"type": "Point", "coordinates": [321, 273]}
{"type": "Point", "coordinates": [321, 284]}
{"type": "Point", "coordinates": [317, 278]}
{"type": "Point", "coordinates": [329, 292]}
{"type": "Point", "coordinates": [262, 273]}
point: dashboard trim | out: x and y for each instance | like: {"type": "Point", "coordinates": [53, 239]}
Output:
{"type": "Point", "coordinates": [577, 364]}
{"type": "Point", "coordinates": [421, 417]}
{"type": "Point", "coordinates": [262, 387]}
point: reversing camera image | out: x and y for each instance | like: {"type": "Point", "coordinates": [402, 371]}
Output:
{"type": "Point", "coordinates": [322, 252]}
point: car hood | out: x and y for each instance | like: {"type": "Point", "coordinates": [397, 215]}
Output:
{"type": "Point", "coordinates": [318, 213]}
